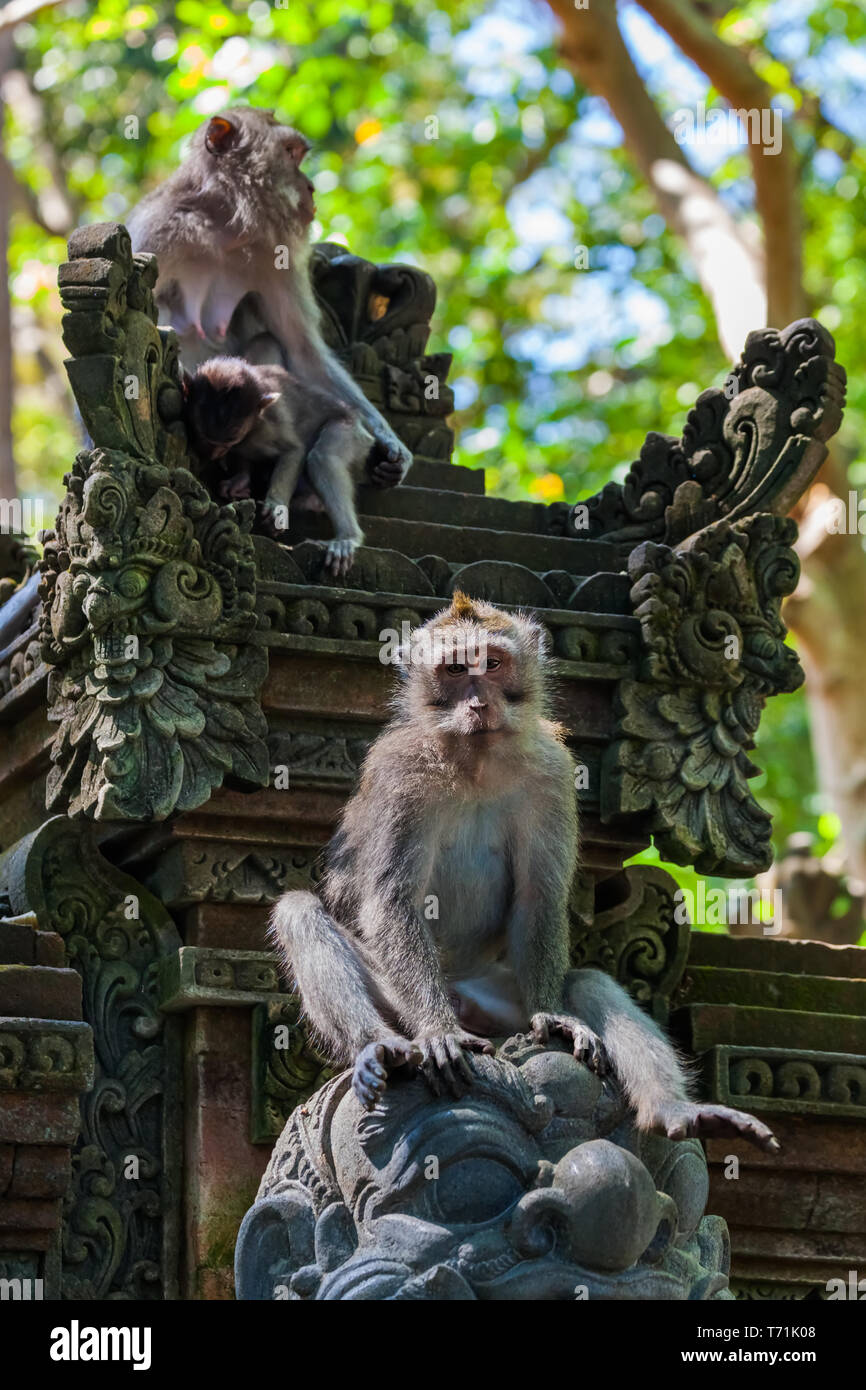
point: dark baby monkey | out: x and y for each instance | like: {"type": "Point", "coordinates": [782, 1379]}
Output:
{"type": "Point", "coordinates": [231, 228]}
{"type": "Point", "coordinates": [262, 418]}
{"type": "Point", "coordinates": [443, 915]}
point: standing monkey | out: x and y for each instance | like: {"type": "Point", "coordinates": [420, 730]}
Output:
{"type": "Point", "coordinates": [231, 228]}
{"type": "Point", "coordinates": [443, 918]}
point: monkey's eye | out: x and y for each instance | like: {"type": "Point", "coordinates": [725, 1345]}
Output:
{"type": "Point", "coordinates": [456, 670]}
{"type": "Point", "coordinates": [494, 664]}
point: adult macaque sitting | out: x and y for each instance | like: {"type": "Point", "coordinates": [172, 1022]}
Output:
{"type": "Point", "coordinates": [466, 806]}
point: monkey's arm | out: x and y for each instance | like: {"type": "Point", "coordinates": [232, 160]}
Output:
{"type": "Point", "coordinates": [376, 870]}
{"type": "Point", "coordinates": [397, 459]}
{"type": "Point", "coordinates": [543, 853]}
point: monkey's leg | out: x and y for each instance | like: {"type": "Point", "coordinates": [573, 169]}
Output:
{"type": "Point", "coordinates": [648, 1068]}
{"type": "Point", "coordinates": [337, 994]}
{"type": "Point", "coordinates": [331, 464]}
{"type": "Point", "coordinates": [276, 506]}
{"type": "Point", "coordinates": [263, 351]}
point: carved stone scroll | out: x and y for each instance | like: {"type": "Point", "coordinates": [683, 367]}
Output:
{"type": "Point", "coordinates": [714, 651]}
{"type": "Point", "coordinates": [121, 1211]}
{"type": "Point", "coordinates": [753, 447]}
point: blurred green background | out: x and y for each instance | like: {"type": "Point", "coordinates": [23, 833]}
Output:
{"type": "Point", "coordinates": [559, 372]}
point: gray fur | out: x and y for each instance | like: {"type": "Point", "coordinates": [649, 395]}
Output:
{"type": "Point", "coordinates": [467, 801]}
{"type": "Point", "coordinates": [217, 226]}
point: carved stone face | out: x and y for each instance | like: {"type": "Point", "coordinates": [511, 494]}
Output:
{"type": "Point", "coordinates": [512, 1192]}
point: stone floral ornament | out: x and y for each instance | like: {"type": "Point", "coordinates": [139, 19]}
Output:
{"type": "Point", "coordinates": [534, 1185]}
{"type": "Point", "coordinates": [148, 583]}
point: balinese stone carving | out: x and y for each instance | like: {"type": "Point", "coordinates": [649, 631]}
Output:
{"type": "Point", "coordinates": [377, 319]}
{"type": "Point", "coordinates": [713, 652]}
{"type": "Point", "coordinates": [753, 447]}
{"type": "Point", "coordinates": [638, 940]}
{"type": "Point", "coordinates": [639, 594]}
{"type": "Point", "coordinates": [787, 1081]}
{"type": "Point", "coordinates": [148, 584]}
{"type": "Point", "coordinates": [534, 1185]}
{"type": "Point", "coordinates": [121, 1214]}
{"type": "Point", "coordinates": [287, 1069]}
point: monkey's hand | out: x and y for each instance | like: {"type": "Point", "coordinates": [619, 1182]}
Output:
{"type": "Point", "coordinates": [389, 460]}
{"type": "Point", "coordinates": [375, 1061]}
{"type": "Point", "coordinates": [274, 518]}
{"type": "Point", "coordinates": [586, 1045]}
{"type": "Point", "coordinates": [444, 1064]}
{"type": "Point", "coordinates": [681, 1119]}
{"type": "Point", "coordinates": [236, 487]}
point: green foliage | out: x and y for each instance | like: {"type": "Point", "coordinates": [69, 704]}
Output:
{"type": "Point", "coordinates": [490, 168]}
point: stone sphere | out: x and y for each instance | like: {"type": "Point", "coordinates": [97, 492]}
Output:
{"type": "Point", "coordinates": [614, 1203]}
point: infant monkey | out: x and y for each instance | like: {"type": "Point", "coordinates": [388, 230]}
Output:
{"type": "Point", "coordinates": [247, 418]}
{"type": "Point", "coordinates": [443, 915]}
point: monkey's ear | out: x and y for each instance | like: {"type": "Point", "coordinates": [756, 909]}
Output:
{"type": "Point", "coordinates": [219, 135]}
{"type": "Point", "coordinates": [267, 400]}
{"type": "Point", "coordinates": [298, 146]}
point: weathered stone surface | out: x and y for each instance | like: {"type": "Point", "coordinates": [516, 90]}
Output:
{"type": "Point", "coordinates": [809, 958]}
{"type": "Point", "coordinates": [286, 1068]}
{"type": "Point", "coordinates": [39, 991]}
{"type": "Point", "coordinates": [38, 1055]}
{"type": "Point", "coordinates": [30, 1118]}
{"type": "Point", "coordinates": [122, 1207]}
{"type": "Point", "coordinates": [773, 1079]}
{"type": "Point", "coordinates": [824, 994]}
{"type": "Point", "coordinates": [222, 1166]}
{"type": "Point", "coordinates": [196, 976]}
{"type": "Point", "coordinates": [745, 1026]}
{"type": "Point", "coordinates": [537, 1140]}
{"type": "Point", "coordinates": [38, 1171]}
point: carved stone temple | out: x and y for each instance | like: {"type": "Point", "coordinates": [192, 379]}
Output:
{"type": "Point", "coordinates": [184, 706]}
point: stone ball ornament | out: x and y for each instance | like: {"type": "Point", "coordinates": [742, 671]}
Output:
{"type": "Point", "coordinates": [534, 1185]}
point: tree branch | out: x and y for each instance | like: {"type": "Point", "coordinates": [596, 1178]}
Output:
{"type": "Point", "coordinates": [18, 10]}
{"type": "Point", "coordinates": [723, 255]}
{"type": "Point", "coordinates": [52, 207]}
{"type": "Point", "coordinates": [776, 177]}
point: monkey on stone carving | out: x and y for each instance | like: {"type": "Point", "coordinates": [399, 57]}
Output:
{"type": "Point", "coordinates": [230, 229]}
{"type": "Point", "coordinates": [443, 917]}
{"type": "Point", "coordinates": [246, 417]}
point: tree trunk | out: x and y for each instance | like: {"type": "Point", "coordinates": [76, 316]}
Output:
{"type": "Point", "coordinates": [7, 458]}
{"type": "Point", "coordinates": [747, 290]}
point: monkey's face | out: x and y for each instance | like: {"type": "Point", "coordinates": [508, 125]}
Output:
{"type": "Point", "coordinates": [476, 691]}
{"type": "Point", "coordinates": [247, 143]}
{"type": "Point", "coordinates": [224, 400]}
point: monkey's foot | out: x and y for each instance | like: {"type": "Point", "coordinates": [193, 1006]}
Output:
{"type": "Point", "coordinates": [340, 556]}
{"type": "Point", "coordinates": [680, 1119]}
{"type": "Point", "coordinates": [586, 1045]}
{"type": "Point", "coordinates": [375, 1061]}
{"type": "Point", "coordinates": [444, 1064]}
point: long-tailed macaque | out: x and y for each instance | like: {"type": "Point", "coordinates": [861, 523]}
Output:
{"type": "Point", "coordinates": [247, 418]}
{"type": "Point", "coordinates": [443, 917]}
{"type": "Point", "coordinates": [230, 228]}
